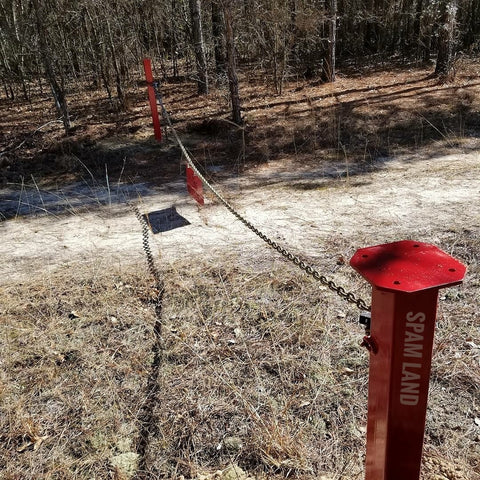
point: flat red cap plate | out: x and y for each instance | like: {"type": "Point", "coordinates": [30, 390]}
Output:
{"type": "Point", "coordinates": [408, 266]}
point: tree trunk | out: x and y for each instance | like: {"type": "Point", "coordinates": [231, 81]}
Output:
{"type": "Point", "coordinates": [98, 55]}
{"type": "Point", "coordinates": [427, 43]}
{"type": "Point", "coordinates": [218, 42]}
{"type": "Point", "coordinates": [417, 27]}
{"type": "Point", "coordinates": [46, 56]}
{"type": "Point", "coordinates": [8, 71]}
{"type": "Point", "coordinates": [292, 31]}
{"type": "Point", "coordinates": [231, 63]}
{"type": "Point", "coordinates": [21, 59]}
{"type": "Point", "coordinates": [117, 69]}
{"type": "Point", "coordinates": [446, 38]}
{"type": "Point", "coordinates": [473, 24]}
{"type": "Point", "coordinates": [199, 47]}
{"type": "Point", "coordinates": [332, 41]}
{"type": "Point", "coordinates": [370, 37]}
{"type": "Point", "coordinates": [173, 40]}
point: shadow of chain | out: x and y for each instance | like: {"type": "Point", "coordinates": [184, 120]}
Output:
{"type": "Point", "coordinates": [147, 418]}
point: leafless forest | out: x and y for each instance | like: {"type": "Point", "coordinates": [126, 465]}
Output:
{"type": "Point", "coordinates": [63, 46]}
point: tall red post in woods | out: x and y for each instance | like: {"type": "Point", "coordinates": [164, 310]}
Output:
{"type": "Point", "coordinates": [147, 66]}
{"type": "Point", "coordinates": [405, 278]}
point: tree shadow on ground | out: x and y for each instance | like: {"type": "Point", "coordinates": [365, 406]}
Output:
{"type": "Point", "coordinates": [360, 124]}
{"type": "Point", "coordinates": [29, 200]}
{"type": "Point", "coordinates": [365, 131]}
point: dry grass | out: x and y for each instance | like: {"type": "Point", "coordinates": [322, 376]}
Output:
{"type": "Point", "coordinates": [258, 369]}
{"type": "Point", "coordinates": [70, 372]}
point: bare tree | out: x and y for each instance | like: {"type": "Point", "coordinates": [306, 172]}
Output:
{"type": "Point", "coordinates": [231, 62]}
{"type": "Point", "coordinates": [47, 55]}
{"type": "Point", "coordinates": [199, 46]}
{"type": "Point", "coordinates": [116, 67]}
{"type": "Point", "coordinates": [446, 38]}
{"type": "Point", "coordinates": [332, 41]}
{"type": "Point", "coordinates": [218, 34]}
{"type": "Point", "coordinates": [11, 22]}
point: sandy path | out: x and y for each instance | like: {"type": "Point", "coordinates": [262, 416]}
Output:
{"type": "Point", "coordinates": [306, 210]}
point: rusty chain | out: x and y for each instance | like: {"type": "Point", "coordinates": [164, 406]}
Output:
{"type": "Point", "coordinates": [308, 269]}
{"type": "Point", "coordinates": [146, 247]}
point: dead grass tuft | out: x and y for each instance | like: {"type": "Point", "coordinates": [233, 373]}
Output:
{"type": "Point", "coordinates": [71, 374]}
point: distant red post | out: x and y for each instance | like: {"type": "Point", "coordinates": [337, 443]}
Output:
{"type": "Point", "coordinates": [405, 278]}
{"type": "Point", "coordinates": [147, 66]}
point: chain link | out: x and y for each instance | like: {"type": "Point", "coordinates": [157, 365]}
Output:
{"type": "Point", "coordinates": [308, 269]}
{"type": "Point", "coordinates": [146, 247]}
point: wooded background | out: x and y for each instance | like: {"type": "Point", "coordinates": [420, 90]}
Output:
{"type": "Point", "coordinates": [73, 44]}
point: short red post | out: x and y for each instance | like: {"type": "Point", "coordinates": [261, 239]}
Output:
{"type": "Point", "coordinates": [405, 278]}
{"type": "Point", "coordinates": [147, 66]}
{"type": "Point", "coordinates": [194, 186]}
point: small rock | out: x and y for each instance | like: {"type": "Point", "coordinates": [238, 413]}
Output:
{"type": "Point", "coordinates": [238, 332]}
{"type": "Point", "coordinates": [126, 462]}
{"type": "Point", "coordinates": [233, 443]}
{"type": "Point", "coordinates": [233, 472]}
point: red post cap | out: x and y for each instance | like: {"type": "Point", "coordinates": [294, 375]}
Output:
{"type": "Point", "coordinates": [408, 266]}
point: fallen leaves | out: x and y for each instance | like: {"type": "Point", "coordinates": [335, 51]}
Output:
{"type": "Point", "coordinates": [34, 442]}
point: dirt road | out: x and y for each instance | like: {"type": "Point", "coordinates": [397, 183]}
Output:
{"type": "Point", "coordinates": [315, 211]}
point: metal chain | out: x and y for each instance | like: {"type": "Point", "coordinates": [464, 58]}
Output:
{"type": "Point", "coordinates": [340, 291]}
{"type": "Point", "coordinates": [146, 247]}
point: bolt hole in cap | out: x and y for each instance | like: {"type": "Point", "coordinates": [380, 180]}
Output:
{"type": "Point", "coordinates": [408, 266]}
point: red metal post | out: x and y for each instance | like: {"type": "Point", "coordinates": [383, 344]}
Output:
{"type": "Point", "coordinates": [147, 66]}
{"type": "Point", "coordinates": [194, 186]}
{"type": "Point", "coordinates": [406, 277]}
